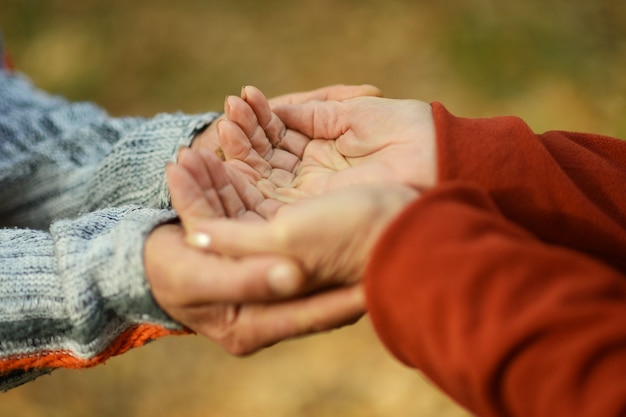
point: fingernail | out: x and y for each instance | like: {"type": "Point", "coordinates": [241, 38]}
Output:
{"type": "Point", "coordinates": [198, 239]}
{"type": "Point", "coordinates": [282, 279]}
{"type": "Point", "coordinates": [244, 96]}
{"type": "Point", "coordinates": [226, 105]}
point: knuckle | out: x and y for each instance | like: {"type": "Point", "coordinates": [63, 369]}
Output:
{"type": "Point", "coordinates": [238, 348]}
{"type": "Point", "coordinates": [222, 325]}
{"type": "Point", "coordinates": [233, 343]}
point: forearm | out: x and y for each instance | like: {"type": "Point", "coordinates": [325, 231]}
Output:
{"type": "Point", "coordinates": [74, 292]}
{"type": "Point", "coordinates": [59, 159]}
{"type": "Point", "coordinates": [50, 147]}
{"type": "Point", "coordinates": [505, 324]}
{"type": "Point", "coordinates": [566, 188]}
{"type": "Point", "coordinates": [77, 295]}
{"type": "Point", "coordinates": [134, 171]}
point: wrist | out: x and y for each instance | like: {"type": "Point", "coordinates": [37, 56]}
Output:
{"type": "Point", "coordinates": [207, 138]}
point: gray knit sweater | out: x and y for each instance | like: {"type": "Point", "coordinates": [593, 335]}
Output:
{"type": "Point", "coordinates": [80, 192]}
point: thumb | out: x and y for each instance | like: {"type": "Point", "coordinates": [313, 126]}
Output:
{"type": "Point", "coordinates": [315, 119]}
{"type": "Point", "coordinates": [188, 198]}
{"type": "Point", "coordinates": [241, 239]}
{"type": "Point", "coordinates": [332, 92]}
{"type": "Point", "coordinates": [234, 238]}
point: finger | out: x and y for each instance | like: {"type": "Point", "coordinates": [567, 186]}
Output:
{"type": "Point", "coordinates": [286, 155]}
{"type": "Point", "coordinates": [229, 197]}
{"type": "Point", "coordinates": [259, 326]}
{"type": "Point", "coordinates": [236, 145]}
{"type": "Point", "coordinates": [252, 197]}
{"type": "Point", "coordinates": [333, 92]}
{"type": "Point", "coordinates": [272, 126]}
{"type": "Point", "coordinates": [294, 143]}
{"type": "Point", "coordinates": [195, 166]}
{"type": "Point", "coordinates": [240, 112]}
{"type": "Point", "coordinates": [279, 136]}
{"type": "Point", "coordinates": [251, 279]}
{"type": "Point", "coordinates": [184, 277]}
{"type": "Point", "coordinates": [316, 119]}
{"type": "Point", "coordinates": [189, 200]}
{"type": "Point", "coordinates": [237, 239]}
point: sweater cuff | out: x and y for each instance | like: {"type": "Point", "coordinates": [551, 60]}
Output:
{"type": "Point", "coordinates": [82, 295]}
{"type": "Point", "coordinates": [111, 245]}
{"type": "Point", "coordinates": [133, 172]}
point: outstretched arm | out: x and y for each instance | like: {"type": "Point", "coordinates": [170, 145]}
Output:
{"type": "Point", "coordinates": [86, 190]}
{"type": "Point", "coordinates": [76, 295]}
{"type": "Point", "coordinates": [504, 323]}
{"type": "Point", "coordinates": [546, 338]}
{"type": "Point", "coordinates": [565, 187]}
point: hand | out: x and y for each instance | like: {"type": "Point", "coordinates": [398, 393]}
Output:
{"type": "Point", "coordinates": [241, 304]}
{"type": "Point", "coordinates": [330, 236]}
{"type": "Point", "coordinates": [331, 144]}
{"type": "Point", "coordinates": [208, 139]}
{"type": "Point", "coordinates": [201, 186]}
{"type": "Point", "coordinates": [203, 291]}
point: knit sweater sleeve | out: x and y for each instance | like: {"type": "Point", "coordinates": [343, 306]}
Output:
{"type": "Point", "coordinates": [504, 323]}
{"type": "Point", "coordinates": [567, 188]}
{"type": "Point", "coordinates": [76, 295]}
{"type": "Point", "coordinates": [59, 158]}
{"type": "Point", "coordinates": [81, 191]}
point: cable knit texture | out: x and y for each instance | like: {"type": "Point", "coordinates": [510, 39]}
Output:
{"type": "Point", "coordinates": [81, 191]}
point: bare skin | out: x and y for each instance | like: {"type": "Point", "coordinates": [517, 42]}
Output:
{"type": "Point", "coordinates": [332, 257]}
{"type": "Point", "coordinates": [330, 144]}
{"type": "Point", "coordinates": [203, 290]}
{"type": "Point", "coordinates": [393, 139]}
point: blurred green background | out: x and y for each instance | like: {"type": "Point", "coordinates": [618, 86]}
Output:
{"type": "Point", "coordinates": [556, 63]}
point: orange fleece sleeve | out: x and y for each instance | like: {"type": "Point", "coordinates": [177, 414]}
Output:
{"type": "Point", "coordinates": [504, 323]}
{"type": "Point", "coordinates": [566, 188]}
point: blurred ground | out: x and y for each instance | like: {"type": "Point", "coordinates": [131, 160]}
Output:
{"type": "Point", "coordinates": [556, 63]}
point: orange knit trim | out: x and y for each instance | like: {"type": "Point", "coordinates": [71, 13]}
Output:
{"type": "Point", "coordinates": [131, 338]}
{"type": "Point", "coordinates": [7, 61]}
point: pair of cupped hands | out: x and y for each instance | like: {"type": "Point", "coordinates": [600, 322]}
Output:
{"type": "Point", "coordinates": [281, 203]}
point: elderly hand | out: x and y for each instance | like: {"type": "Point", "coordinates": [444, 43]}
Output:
{"type": "Point", "coordinates": [320, 246]}
{"type": "Point", "coordinates": [208, 139]}
{"type": "Point", "coordinates": [327, 145]}
{"type": "Point", "coordinates": [234, 302]}
{"type": "Point", "coordinates": [242, 304]}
